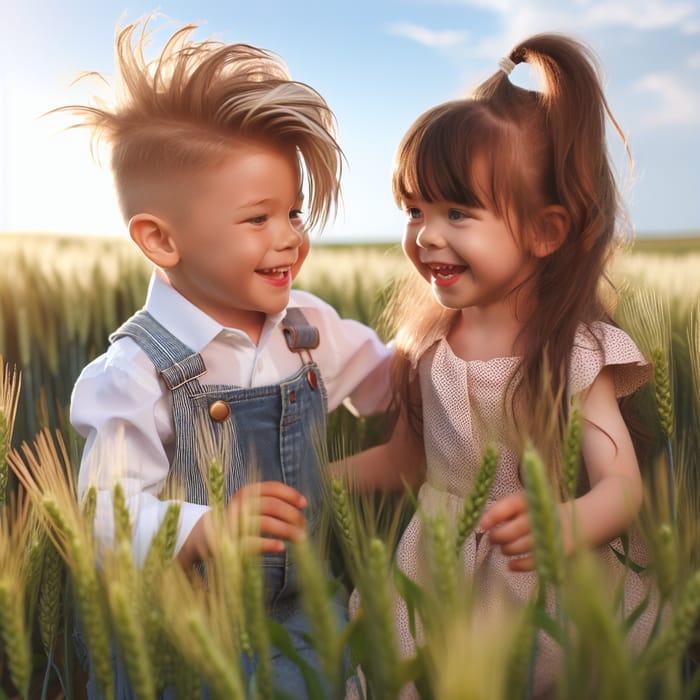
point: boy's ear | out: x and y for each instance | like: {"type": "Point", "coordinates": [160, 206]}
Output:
{"type": "Point", "coordinates": [153, 236]}
{"type": "Point", "coordinates": [554, 224]}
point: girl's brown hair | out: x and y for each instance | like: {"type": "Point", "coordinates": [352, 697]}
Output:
{"type": "Point", "coordinates": [536, 148]}
{"type": "Point", "coordinates": [182, 111]}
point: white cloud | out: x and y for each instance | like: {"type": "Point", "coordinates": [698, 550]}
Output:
{"type": "Point", "coordinates": [674, 103]}
{"type": "Point", "coordinates": [649, 15]}
{"type": "Point", "coordinates": [634, 14]}
{"type": "Point", "coordinates": [694, 61]}
{"type": "Point", "coordinates": [428, 37]}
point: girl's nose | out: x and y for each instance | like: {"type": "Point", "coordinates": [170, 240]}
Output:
{"type": "Point", "coordinates": [429, 237]}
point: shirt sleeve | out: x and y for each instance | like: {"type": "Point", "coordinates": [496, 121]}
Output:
{"type": "Point", "coordinates": [603, 345]}
{"type": "Point", "coordinates": [119, 407]}
{"type": "Point", "coordinates": [354, 362]}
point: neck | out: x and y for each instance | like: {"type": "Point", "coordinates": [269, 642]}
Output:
{"type": "Point", "coordinates": [483, 335]}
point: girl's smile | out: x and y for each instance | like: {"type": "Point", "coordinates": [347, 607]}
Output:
{"type": "Point", "coordinates": [445, 275]}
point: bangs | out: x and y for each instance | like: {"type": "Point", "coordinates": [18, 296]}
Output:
{"type": "Point", "coordinates": [449, 155]}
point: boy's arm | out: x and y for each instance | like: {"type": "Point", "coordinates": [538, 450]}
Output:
{"type": "Point", "coordinates": [354, 362]}
{"type": "Point", "coordinates": [118, 405]}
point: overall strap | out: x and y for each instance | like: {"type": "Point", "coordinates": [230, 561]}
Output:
{"type": "Point", "coordinates": [177, 364]}
{"type": "Point", "coordinates": [300, 335]}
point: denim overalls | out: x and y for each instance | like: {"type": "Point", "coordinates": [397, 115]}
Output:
{"type": "Point", "coordinates": [274, 432]}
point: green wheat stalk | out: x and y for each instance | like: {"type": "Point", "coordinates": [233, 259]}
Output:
{"type": "Point", "coordinates": [442, 558]}
{"type": "Point", "coordinates": [255, 617]}
{"type": "Point", "coordinates": [317, 603]}
{"type": "Point", "coordinates": [571, 451]}
{"type": "Point", "coordinates": [544, 520]}
{"type": "Point", "coordinates": [10, 382]}
{"type": "Point", "coordinates": [89, 507]}
{"type": "Point", "coordinates": [217, 486]}
{"type": "Point", "coordinates": [122, 518]}
{"type": "Point", "coordinates": [131, 638]}
{"type": "Point", "coordinates": [677, 632]}
{"type": "Point", "coordinates": [14, 633]}
{"type": "Point", "coordinates": [665, 560]}
{"type": "Point", "coordinates": [343, 514]}
{"type": "Point", "coordinates": [50, 597]}
{"type": "Point", "coordinates": [476, 500]}
{"type": "Point", "coordinates": [647, 317]}
{"type": "Point", "coordinates": [380, 649]}
{"type": "Point", "coordinates": [219, 668]}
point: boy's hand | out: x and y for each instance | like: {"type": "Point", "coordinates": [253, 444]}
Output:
{"type": "Point", "coordinates": [507, 522]}
{"type": "Point", "coordinates": [274, 510]}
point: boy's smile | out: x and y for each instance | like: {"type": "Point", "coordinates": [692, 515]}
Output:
{"type": "Point", "coordinates": [242, 238]}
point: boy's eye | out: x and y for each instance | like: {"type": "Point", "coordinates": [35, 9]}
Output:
{"type": "Point", "coordinates": [296, 216]}
{"type": "Point", "coordinates": [258, 219]}
{"type": "Point", "coordinates": [456, 215]}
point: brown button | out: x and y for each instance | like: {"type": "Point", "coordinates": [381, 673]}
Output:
{"type": "Point", "coordinates": [312, 379]}
{"type": "Point", "coordinates": [219, 411]}
{"type": "Point", "coordinates": [292, 396]}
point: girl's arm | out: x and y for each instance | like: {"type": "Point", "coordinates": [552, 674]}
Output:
{"type": "Point", "coordinates": [602, 513]}
{"type": "Point", "coordinates": [397, 463]}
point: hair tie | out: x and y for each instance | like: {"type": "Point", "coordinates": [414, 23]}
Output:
{"type": "Point", "coordinates": [506, 65]}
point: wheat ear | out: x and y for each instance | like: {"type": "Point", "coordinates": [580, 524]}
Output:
{"type": "Point", "coordinates": [544, 520]}
{"type": "Point", "coordinates": [476, 500]}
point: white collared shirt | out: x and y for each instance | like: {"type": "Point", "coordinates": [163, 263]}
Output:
{"type": "Point", "coordinates": [122, 409]}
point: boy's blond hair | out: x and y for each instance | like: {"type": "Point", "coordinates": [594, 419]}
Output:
{"type": "Point", "coordinates": [185, 109]}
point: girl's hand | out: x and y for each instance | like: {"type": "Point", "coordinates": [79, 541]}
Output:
{"type": "Point", "coordinates": [507, 523]}
{"type": "Point", "coordinates": [271, 512]}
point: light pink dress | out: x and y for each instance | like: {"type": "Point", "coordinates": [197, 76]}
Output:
{"type": "Point", "coordinates": [462, 413]}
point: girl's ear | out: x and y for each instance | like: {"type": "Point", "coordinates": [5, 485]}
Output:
{"type": "Point", "coordinates": [154, 237]}
{"type": "Point", "coordinates": [553, 228]}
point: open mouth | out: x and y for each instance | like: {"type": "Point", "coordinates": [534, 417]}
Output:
{"type": "Point", "coordinates": [275, 274]}
{"type": "Point", "coordinates": [445, 273]}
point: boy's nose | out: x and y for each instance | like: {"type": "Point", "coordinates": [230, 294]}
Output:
{"type": "Point", "coordinates": [290, 236]}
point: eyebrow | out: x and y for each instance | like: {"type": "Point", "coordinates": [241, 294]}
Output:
{"type": "Point", "coordinates": [265, 200]}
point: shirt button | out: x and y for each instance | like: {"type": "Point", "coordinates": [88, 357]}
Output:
{"type": "Point", "coordinates": [219, 411]}
{"type": "Point", "coordinates": [292, 396]}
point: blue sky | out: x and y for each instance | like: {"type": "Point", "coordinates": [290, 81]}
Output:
{"type": "Point", "coordinates": [379, 64]}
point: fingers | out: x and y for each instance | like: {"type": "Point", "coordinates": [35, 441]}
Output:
{"type": "Point", "coordinates": [508, 525]}
{"type": "Point", "coordinates": [271, 509]}
{"type": "Point", "coordinates": [504, 509]}
{"type": "Point", "coordinates": [271, 489]}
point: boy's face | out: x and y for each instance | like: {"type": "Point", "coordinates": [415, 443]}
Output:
{"type": "Point", "coordinates": [242, 239]}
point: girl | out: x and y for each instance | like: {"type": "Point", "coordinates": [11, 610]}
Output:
{"type": "Point", "coordinates": [511, 212]}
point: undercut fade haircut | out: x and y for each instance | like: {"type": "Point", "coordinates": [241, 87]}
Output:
{"type": "Point", "coordinates": [183, 110]}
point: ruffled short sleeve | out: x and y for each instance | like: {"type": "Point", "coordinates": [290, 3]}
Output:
{"type": "Point", "coordinates": [601, 345]}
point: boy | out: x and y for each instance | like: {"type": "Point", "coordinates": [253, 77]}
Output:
{"type": "Point", "coordinates": [211, 147]}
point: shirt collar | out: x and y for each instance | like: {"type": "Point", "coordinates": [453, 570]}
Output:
{"type": "Point", "coordinates": [188, 322]}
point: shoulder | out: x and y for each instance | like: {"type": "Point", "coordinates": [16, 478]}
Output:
{"type": "Point", "coordinates": [123, 361]}
{"type": "Point", "coordinates": [306, 301]}
{"type": "Point", "coordinates": [598, 345]}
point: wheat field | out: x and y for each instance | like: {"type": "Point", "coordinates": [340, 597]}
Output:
{"type": "Point", "coordinates": [60, 297]}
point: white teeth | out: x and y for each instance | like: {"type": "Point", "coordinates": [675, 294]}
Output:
{"type": "Point", "coordinates": [274, 270]}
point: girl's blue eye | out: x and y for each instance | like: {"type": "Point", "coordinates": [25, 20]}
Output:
{"type": "Point", "coordinates": [455, 215]}
{"type": "Point", "coordinates": [413, 212]}
{"type": "Point", "coordinates": [258, 219]}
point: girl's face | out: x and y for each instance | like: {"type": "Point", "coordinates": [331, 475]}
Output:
{"type": "Point", "coordinates": [468, 255]}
